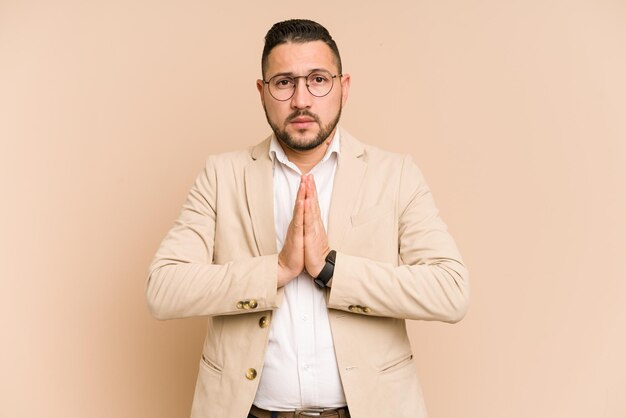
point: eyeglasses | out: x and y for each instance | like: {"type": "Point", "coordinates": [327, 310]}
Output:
{"type": "Point", "coordinates": [319, 83]}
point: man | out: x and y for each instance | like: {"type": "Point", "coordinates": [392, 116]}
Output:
{"type": "Point", "coordinates": [307, 252]}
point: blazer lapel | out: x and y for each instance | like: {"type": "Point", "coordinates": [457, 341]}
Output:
{"type": "Point", "coordinates": [259, 181]}
{"type": "Point", "coordinates": [348, 178]}
{"type": "Point", "coordinates": [258, 177]}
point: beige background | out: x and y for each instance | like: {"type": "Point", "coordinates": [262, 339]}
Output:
{"type": "Point", "coordinates": [515, 110]}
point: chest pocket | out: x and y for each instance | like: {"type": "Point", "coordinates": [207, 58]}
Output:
{"type": "Point", "coordinates": [371, 214]}
{"type": "Point", "coordinates": [373, 234]}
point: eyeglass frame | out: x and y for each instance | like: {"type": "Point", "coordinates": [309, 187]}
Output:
{"type": "Point", "coordinates": [295, 84]}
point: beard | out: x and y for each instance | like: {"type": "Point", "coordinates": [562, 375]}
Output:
{"type": "Point", "coordinates": [303, 145]}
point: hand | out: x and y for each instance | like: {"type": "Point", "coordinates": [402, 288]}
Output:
{"type": "Point", "coordinates": [291, 257]}
{"type": "Point", "coordinates": [315, 239]}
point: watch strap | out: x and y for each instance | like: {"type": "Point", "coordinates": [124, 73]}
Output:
{"type": "Point", "coordinates": [328, 270]}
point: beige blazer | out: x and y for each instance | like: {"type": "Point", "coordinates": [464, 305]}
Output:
{"type": "Point", "coordinates": [395, 261]}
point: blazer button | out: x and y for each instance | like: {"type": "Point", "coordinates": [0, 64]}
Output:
{"type": "Point", "coordinates": [252, 303]}
{"type": "Point", "coordinates": [353, 308]}
{"type": "Point", "coordinates": [240, 305]}
{"type": "Point", "coordinates": [367, 310]}
{"type": "Point", "coordinates": [264, 322]}
{"type": "Point", "coordinates": [250, 374]}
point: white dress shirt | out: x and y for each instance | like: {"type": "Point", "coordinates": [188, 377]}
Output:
{"type": "Point", "coordinates": [300, 368]}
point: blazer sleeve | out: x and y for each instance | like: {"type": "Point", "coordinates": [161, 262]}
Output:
{"type": "Point", "coordinates": [430, 281]}
{"type": "Point", "coordinates": [183, 279]}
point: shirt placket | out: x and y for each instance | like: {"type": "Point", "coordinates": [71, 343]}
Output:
{"type": "Point", "coordinates": [306, 342]}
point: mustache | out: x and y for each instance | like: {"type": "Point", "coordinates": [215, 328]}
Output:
{"type": "Point", "coordinates": [299, 113]}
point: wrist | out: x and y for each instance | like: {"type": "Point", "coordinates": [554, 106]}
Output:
{"type": "Point", "coordinates": [285, 274]}
{"type": "Point", "coordinates": [327, 272]}
{"type": "Point", "coordinates": [316, 269]}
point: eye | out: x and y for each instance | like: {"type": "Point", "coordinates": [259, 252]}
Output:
{"type": "Point", "coordinates": [318, 79]}
{"type": "Point", "coordinates": [283, 82]}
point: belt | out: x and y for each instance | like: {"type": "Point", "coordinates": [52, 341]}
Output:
{"type": "Point", "coordinates": [301, 413]}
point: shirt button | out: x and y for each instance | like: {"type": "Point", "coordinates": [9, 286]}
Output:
{"type": "Point", "coordinates": [264, 322]}
{"type": "Point", "coordinates": [250, 374]}
{"type": "Point", "coordinates": [304, 318]}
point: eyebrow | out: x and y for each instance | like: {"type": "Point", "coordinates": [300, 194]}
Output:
{"type": "Point", "coordinates": [292, 74]}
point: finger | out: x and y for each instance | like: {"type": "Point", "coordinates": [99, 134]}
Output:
{"type": "Point", "coordinates": [312, 187]}
{"type": "Point", "coordinates": [309, 216]}
{"type": "Point", "coordinates": [312, 195]}
{"type": "Point", "coordinates": [312, 220]}
{"type": "Point", "coordinates": [298, 214]}
{"type": "Point", "coordinates": [301, 189]}
{"type": "Point", "coordinates": [298, 206]}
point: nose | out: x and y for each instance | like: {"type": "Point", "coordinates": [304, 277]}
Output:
{"type": "Point", "coordinates": [301, 98]}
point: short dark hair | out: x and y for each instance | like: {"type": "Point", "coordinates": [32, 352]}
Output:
{"type": "Point", "coordinates": [298, 31]}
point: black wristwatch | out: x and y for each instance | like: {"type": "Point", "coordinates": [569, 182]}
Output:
{"type": "Point", "coordinates": [326, 274]}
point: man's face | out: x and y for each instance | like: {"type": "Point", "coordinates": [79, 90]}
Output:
{"type": "Point", "coordinates": [304, 121]}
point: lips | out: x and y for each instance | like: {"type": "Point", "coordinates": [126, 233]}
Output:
{"type": "Point", "coordinates": [302, 122]}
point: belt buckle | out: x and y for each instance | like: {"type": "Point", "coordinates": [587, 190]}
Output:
{"type": "Point", "coordinates": [309, 412]}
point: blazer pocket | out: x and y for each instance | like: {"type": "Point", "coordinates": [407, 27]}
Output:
{"type": "Point", "coordinates": [211, 365]}
{"type": "Point", "coordinates": [371, 213]}
{"type": "Point", "coordinates": [396, 364]}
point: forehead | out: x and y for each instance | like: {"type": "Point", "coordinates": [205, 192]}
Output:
{"type": "Point", "coordinates": [299, 58]}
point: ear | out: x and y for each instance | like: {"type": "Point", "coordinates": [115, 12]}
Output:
{"type": "Point", "coordinates": [259, 87]}
{"type": "Point", "coordinates": [345, 88]}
